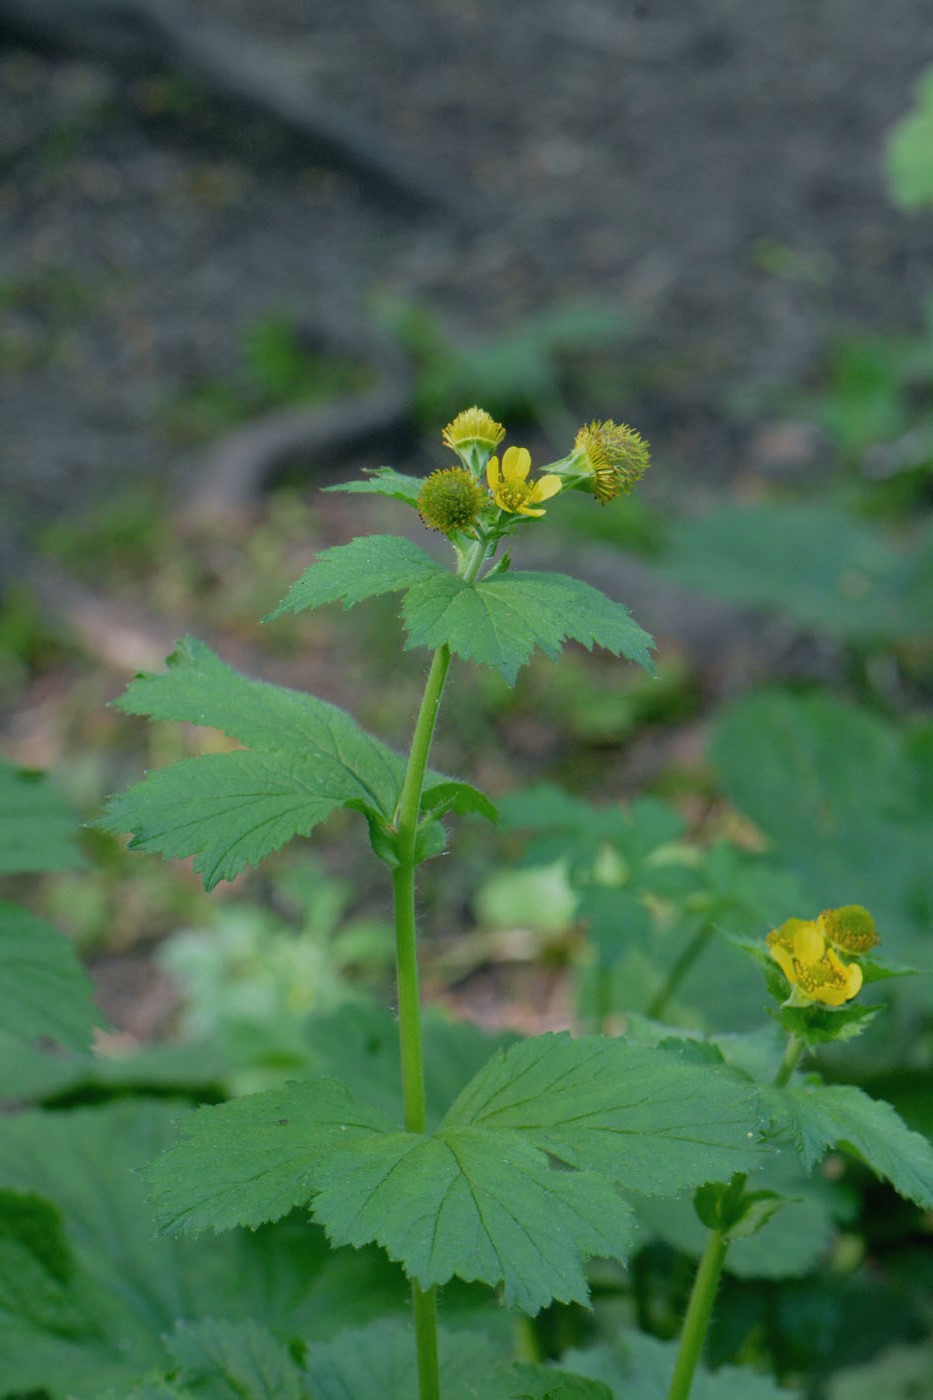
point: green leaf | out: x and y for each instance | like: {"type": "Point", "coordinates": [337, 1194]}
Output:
{"type": "Point", "coordinates": [306, 759]}
{"type": "Point", "coordinates": [483, 1205]}
{"type": "Point", "coordinates": [448, 795]}
{"type": "Point", "coordinates": [254, 1159]}
{"type": "Point", "coordinates": [643, 1117]}
{"type": "Point", "coordinates": [825, 1116]}
{"type": "Point", "coordinates": [105, 1327]}
{"type": "Point", "coordinates": [843, 797]}
{"type": "Point", "coordinates": [481, 1198]}
{"type": "Point", "coordinates": [384, 481]}
{"type": "Point", "coordinates": [230, 810]}
{"type": "Point", "coordinates": [525, 1382]}
{"type": "Point", "coordinates": [36, 828]}
{"type": "Point", "coordinates": [910, 163]}
{"type": "Point", "coordinates": [360, 1043]}
{"type": "Point", "coordinates": [236, 1361]}
{"type": "Point", "coordinates": [198, 688]}
{"type": "Point", "coordinates": [641, 1367]}
{"type": "Point", "coordinates": [44, 990]}
{"type": "Point", "coordinates": [379, 1363]}
{"type": "Point", "coordinates": [365, 568]}
{"type": "Point", "coordinates": [500, 620]}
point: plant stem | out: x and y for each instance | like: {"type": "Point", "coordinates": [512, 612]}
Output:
{"type": "Point", "coordinates": [403, 885]}
{"type": "Point", "coordinates": [679, 971]}
{"type": "Point", "coordinates": [424, 1302]}
{"type": "Point", "coordinates": [699, 1310]}
{"type": "Point", "coordinates": [706, 1282]}
{"type": "Point", "coordinates": [795, 1048]}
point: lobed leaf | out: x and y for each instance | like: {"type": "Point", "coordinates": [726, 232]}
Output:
{"type": "Point", "coordinates": [378, 1363]}
{"type": "Point", "coordinates": [231, 810]}
{"type": "Point", "coordinates": [365, 568]}
{"type": "Point", "coordinates": [254, 1159]}
{"type": "Point", "coordinates": [102, 1328]}
{"type": "Point", "coordinates": [197, 687]}
{"type": "Point", "coordinates": [483, 1205]}
{"type": "Point", "coordinates": [306, 759]}
{"type": "Point", "coordinates": [825, 1116]}
{"type": "Point", "coordinates": [44, 991]}
{"type": "Point", "coordinates": [641, 1116]}
{"type": "Point", "coordinates": [384, 481]}
{"type": "Point", "coordinates": [500, 620]}
{"type": "Point", "coordinates": [641, 1368]}
{"type": "Point", "coordinates": [482, 1198]}
{"type": "Point", "coordinates": [236, 1361]}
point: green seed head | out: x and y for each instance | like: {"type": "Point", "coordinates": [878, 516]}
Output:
{"type": "Point", "coordinates": [450, 500]}
{"type": "Point", "coordinates": [851, 929]}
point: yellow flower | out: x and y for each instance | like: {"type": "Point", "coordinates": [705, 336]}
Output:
{"type": "Point", "coordinates": [814, 970]}
{"type": "Point", "coordinates": [512, 489]}
{"type": "Point", "coordinates": [616, 455]}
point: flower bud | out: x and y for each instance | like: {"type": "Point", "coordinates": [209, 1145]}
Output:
{"type": "Point", "coordinates": [450, 500]}
{"type": "Point", "coordinates": [474, 435]}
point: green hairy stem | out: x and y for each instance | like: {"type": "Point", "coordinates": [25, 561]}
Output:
{"type": "Point", "coordinates": [424, 1303]}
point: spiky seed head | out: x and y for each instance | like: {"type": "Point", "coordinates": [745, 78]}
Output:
{"type": "Point", "coordinates": [851, 929]}
{"type": "Point", "coordinates": [617, 455]}
{"type": "Point", "coordinates": [450, 500]}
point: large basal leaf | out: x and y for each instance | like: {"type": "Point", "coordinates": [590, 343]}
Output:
{"type": "Point", "coordinates": [500, 620]}
{"type": "Point", "coordinates": [36, 827]}
{"type": "Point", "coordinates": [44, 991]}
{"type": "Point", "coordinates": [641, 1367]}
{"type": "Point", "coordinates": [236, 1361]}
{"type": "Point", "coordinates": [379, 1363]}
{"type": "Point", "coordinates": [120, 1290]}
{"type": "Point", "coordinates": [365, 568]}
{"type": "Point", "coordinates": [843, 797]}
{"type": "Point", "coordinates": [305, 759]}
{"type": "Point", "coordinates": [518, 1185]}
{"type": "Point", "coordinates": [823, 1116]}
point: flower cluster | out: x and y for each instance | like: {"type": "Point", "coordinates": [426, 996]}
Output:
{"type": "Point", "coordinates": [477, 497]}
{"type": "Point", "coordinates": [807, 952]}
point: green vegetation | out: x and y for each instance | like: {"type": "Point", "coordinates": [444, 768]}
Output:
{"type": "Point", "coordinates": [556, 1213]}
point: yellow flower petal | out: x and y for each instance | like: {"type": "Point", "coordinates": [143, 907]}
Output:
{"type": "Point", "coordinates": [809, 946]}
{"type": "Point", "coordinates": [492, 473]}
{"type": "Point", "coordinates": [853, 980]}
{"type": "Point", "coordinates": [545, 487]}
{"type": "Point", "coordinates": [516, 464]}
